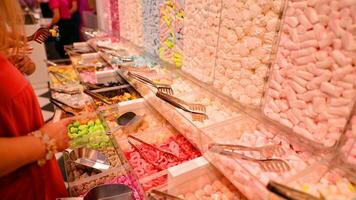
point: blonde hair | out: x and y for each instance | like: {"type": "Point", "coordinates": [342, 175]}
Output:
{"type": "Point", "coordinates": [11, 27]}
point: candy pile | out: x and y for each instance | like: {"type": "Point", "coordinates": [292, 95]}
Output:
{"type": "Point", "coordinates": [87, 74]}
{"type": "Point", "coordinates": [201, 26]}
{"type": "Point", "coordinates": [247, 33]}
{"type": "Point", "coordinates": [89, 133]}
{"type": "Point", "coordinates": [215, 109]}
{"type": "Point", "coordinates": [75, 100]}
{"type": "Point", "coordinates": [63, 77]}
{"type": "Point", "coordinates": [332, 186]}
{"type": "Point", "coordinates": [77, 172]}
{"type": "Point", "coordinates": [312, 85]}
{"type": "Point", "coordinates": [117, 96]}
{"type": "Point", "coordinates": [131, 181]}
{"type": "Point", "coordinates": [218, 189]}
{"type": "Point", "coordinates": [151, 26]}
{"type": "Point", "coordinates": [131, 21]}
{"type": "Point", "coordinates": [349, 148]}
{"type": "Point", "coordinates": [158, 161]}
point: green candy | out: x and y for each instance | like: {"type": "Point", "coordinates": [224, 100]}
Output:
{"type": "Point", "coordinates": [73, 129]}
{"type": "Point", "coordinates": [91, 123]}
{"type": "Point", "coordinates": [77, 123]}
{"type": "Point", "coordinates": [97, 122]}
{"type": "Point", "coordinates": [83, 127]}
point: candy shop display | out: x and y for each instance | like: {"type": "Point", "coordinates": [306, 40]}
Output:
{"type": "Point", "coordinates": [201, 28]}
{"type": "Point", "coordinates": [161, 149]}
{"type": "Point", "coordinates": [216, 110]}
{"type": "Point", "coordinates": [88, 132]}
{"type": "Point", "coordinates": [181, 86]}
{"type": "Point", "coordinates": [116, 95]}
{"type": "Point", "coordinates": [312, 84]}
{"type": "Point", "coordinates": [149, 119]}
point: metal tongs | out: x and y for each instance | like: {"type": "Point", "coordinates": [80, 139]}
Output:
{"type": "Point", "coordinates": [290, 193]}
{"type": "Point", "coordinates": [197, 111]}
{"type": "Point", "coordinates": [98, 97]}
{"type": "Point", "coordinates": [266, 164]}
{"type": "Point", "coordinates": [267, 151]}
{"type": "Point", "coordinates": [157, 195]}
{"type": "Point", "coordinates": [161, 87]}
{"type": "Point", "coordinates": [170, 156]}
{"type": "Point", "coordinates": [65, 107]}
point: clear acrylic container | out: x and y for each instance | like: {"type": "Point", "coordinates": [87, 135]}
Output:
{"type": "Point", "coordinates": [251, 179]}
{"type": "Point", "coordinates": [167, 139]}
{"type": "Point", "coordinates": [247, 36]}
{"type": "Point", "coordinates": [311, 83]}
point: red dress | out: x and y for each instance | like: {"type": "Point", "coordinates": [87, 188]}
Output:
{"type": "Point", "coordinates": [20, 114]}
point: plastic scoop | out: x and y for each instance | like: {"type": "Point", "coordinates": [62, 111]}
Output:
{"type": "Point", "coordinates": [89, 158]}
{"type": "Point", "coordinates": [128, 122]}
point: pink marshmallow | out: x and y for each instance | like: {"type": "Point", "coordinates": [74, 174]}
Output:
{"type": "Point", "coordinates": [319, 104]}
{"type": "Point", "coordinates": [338, 101]}
{"type": "Point", "coordinates": [292, 21]}
{"type": "Point", "coordinates": [292, 117]}
{"type": "Point", "coordinates": [298, 104]}
{"type": "Point", "coordinates": [340, 58]}
{"type": "Point", "coordinates": [296, 87]}
{"type": "Point", "coordinates": [302, 52]}
{"type": "Point", "coordinates": [299, 4]}
{"type": "Point", "coordinates": [274, 106]}
{"type": "Point", "coordinates": [297, 113]}
{"type": "Point", "coordinates": [342, 111]}
{"type": "Point", "coordinates": [305, 75]}
{"type": "Point", "coordinates": [310, 125]}
{"type": "Point", "coordinates": [303, 20]}
{"type": "Point", "coordinates": [286, 122]}
{"type": "Point", "coordinates": [314, 84]}
{"type": "Point", "coordinates": [330, 89]}
{"type": "Point", "coordinates": [273, 93]}
{"type": "Point", "coordinates": [294, 35]}
{"type": "Point", "coordinates": [349, 94]}
{"type": "Point", "coordinates": [351, 78]}
{"type": "Point", "coordinates": [338, 122]}
{"type": "Point", "coordinates": [305, 60]}
{"type": "Point", "coordinates": [302, 131]}
{"type": "Point", "coordinates": [319, 31]}
{"type": "Point", "coordinates": [337, 44]}
{"type": "Point", "coordinates": [311, 67]}
{"type": "Point", "coordinates": [348, 41]}
{"type": "Point", "coordinates": [324, 64]}
{"type": "Point", "coordinates": [312, 15]}
{"type": "Point", "coordinates": [309, 43]}
{"type": "Point", "coordinates": [345, 85]}
{"type": "Point", "coordinates": [290, 94]}
{"type": "Point", "coordinates": [308, 96]}
{"type": "Point", "coordinates": [309, 35]}
{"type": "Point", "coordinates": [342, 72]}
{"type": "Point", "coordinates": [312, 3]}
{"type": "Point", "coordinates": [300, 81]}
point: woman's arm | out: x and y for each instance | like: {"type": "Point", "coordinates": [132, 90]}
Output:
{"type": "Point", "coordinates": [74, 7]}
{"type": "Point", "coordinates": [56, 17]}
{"type": "Point", "coordinates": [19, 151]}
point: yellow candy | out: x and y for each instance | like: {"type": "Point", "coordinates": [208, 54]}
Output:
{"type": "Point", "coordinates": [306, 188]}
{"type": "Point", "coordinates": [351, 187]}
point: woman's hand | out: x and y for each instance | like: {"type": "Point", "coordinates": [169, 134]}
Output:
{"type": "Point", "coordinates": [23, 63]}
{"type": "Point", "coordinates": [58, 131]}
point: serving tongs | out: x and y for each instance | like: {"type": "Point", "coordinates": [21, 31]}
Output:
{"type": "Point", "coordinates": [197, 111]}
{"type": "Point", "coordinates": [61, 78]}
{"type": "Point", "coordinates": [266, 164]}
{"type": "Point", "coordinates": [158, 195]}
{"type": "Point", "coordinates": [146, 154]}
{"type": "Point", "coordinates": [161, 87]}
{"type": "Point", "coordinates": [266, 151]}
{"type": "Point", "coordinates": [41, 35]}
{"type": "Point", "coordinates": [65, 107]}
{"type": "Point", "coordinates": [98, 97]}
{"type": "Point", "coordinates": [290, 193]}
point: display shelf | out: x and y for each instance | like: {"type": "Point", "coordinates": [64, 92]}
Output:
{"type": "Point", "coordinates": [311, 83]}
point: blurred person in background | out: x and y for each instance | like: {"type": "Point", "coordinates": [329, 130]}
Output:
{"type": "Point", "coordinates": [45, 10]}
{"type": "Point", "coordinates": [28, 169]}
{"type": "Point", "coordinates": [65, 17]}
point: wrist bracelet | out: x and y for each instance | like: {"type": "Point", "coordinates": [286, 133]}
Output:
{"type": "Point", "coordinates": [50, 144]}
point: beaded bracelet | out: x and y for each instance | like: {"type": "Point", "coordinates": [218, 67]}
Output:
{"type": "Point", "coordinates": [50, 144]}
